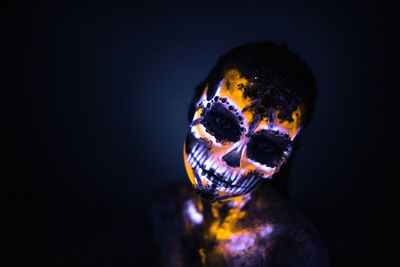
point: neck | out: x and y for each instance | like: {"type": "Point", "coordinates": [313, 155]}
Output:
{"type": "Point", "coordinates": [220, 209]}
{"type": "Point", "coordinates": [235, 203]}
{"type": "Point", "coordinates": [221, 218]}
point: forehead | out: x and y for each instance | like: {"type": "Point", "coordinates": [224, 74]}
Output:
{"type": "Point", "coordinates": [232, 87]}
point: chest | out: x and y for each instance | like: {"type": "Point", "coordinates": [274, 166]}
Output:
{"type": "Point", "coordinates": [236, 238]}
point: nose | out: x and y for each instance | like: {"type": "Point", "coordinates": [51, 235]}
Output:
{"type": "Point", "coordinates": [232, 158]}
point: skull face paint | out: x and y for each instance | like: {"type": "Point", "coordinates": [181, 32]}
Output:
{"type": "Point", "coordinates": [235, 140]}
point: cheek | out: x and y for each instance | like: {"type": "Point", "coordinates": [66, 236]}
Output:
{"type": "Point", "coordinates": [216, 150]}
{"type": "Point", "coordinates": [200, 132]}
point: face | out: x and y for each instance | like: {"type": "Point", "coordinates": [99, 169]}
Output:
{"type": "Point", "coordinates": [232, 145]}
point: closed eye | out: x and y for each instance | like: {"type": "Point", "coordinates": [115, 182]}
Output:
{"type": "Point", "coordinates": [267, 148]}
{"type": "Point", "coordinates": [222, 124]}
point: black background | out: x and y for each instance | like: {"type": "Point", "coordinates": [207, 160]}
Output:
{"type": "Point", "coordinates": [97, 116]}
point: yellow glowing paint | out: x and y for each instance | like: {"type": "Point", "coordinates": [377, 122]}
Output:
{"type": "Point", "coordinates": [202, 256]}
{"type": "Point", "coordinates": [232, 88]}
{"type": "Point", "coordinates": [223, 229]}
{"type": "Point", "coordinates": [227, 232]}
{"type": "Point", "coordinates": [198, 114]}
{"type": "Point", "coordinates": [292, 128]}
{"type": "Point", "coordinates": [204, 95]}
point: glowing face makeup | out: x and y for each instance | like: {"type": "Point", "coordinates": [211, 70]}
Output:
{"type": "Point", "coordinates": [234, 141]}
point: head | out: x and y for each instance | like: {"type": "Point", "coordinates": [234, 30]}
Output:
{"type": "Point", "coordinates": [245, 118]}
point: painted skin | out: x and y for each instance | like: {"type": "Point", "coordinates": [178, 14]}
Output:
{"type": "Point", "coordinates": [215, 175]}
{"type": "Point", "coordinates": [260, 228]}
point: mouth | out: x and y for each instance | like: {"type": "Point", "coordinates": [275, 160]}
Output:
{"type": "Point", "coordinates": [213, 178]}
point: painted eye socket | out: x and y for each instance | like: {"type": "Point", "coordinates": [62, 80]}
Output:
{"type": "Point", "coordinates": [267, 149]}
{"type": "Point", "coordinates": [222, 124]}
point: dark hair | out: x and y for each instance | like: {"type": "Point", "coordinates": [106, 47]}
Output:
{"type": "Point", "coordinates": [271, 67]}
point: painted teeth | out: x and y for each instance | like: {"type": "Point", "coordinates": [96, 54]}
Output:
{"type": "Point", "coordinates": [200, 153]}
{"type": "Point", "coordinates": [235, 178]}
{"type": "Point", "coordinates": [247, 182]}
{"type": "Point", "coordinates": [226, 175]}
{"type": "Point", "coordinates": [195, 147]}
{"type": "Point", "coordinates": [197, 152]}
{"type": "Point", "coordinates": [220, 177]}
{"type": "Point", "coordinates": [254, 182]}
{"type": "Point", "coordinates": [214, 165]}
{"type": "Point", "coordinates": [203, 158]}
{"type": "Point", "coordinates": [208, 164]}
{"type": "Point", "coordinates": [229, 189]}
{"type": "Point", "coordinates": [220, 171]}
{"type": "Point", "coordinates": [191, 160]}
{"type": "Point", "coordinates": [237, 190]}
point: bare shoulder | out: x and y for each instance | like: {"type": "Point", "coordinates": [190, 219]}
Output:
{"type": "Point", "coordinates": [291, 240]}
{"type": "Point", "coordinates": [173, 201]}
{"type": "Point", "coordinates": [173, 230]}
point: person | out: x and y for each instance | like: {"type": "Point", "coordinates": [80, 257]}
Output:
{"type": "Point", "coordinates": [245, 119]}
